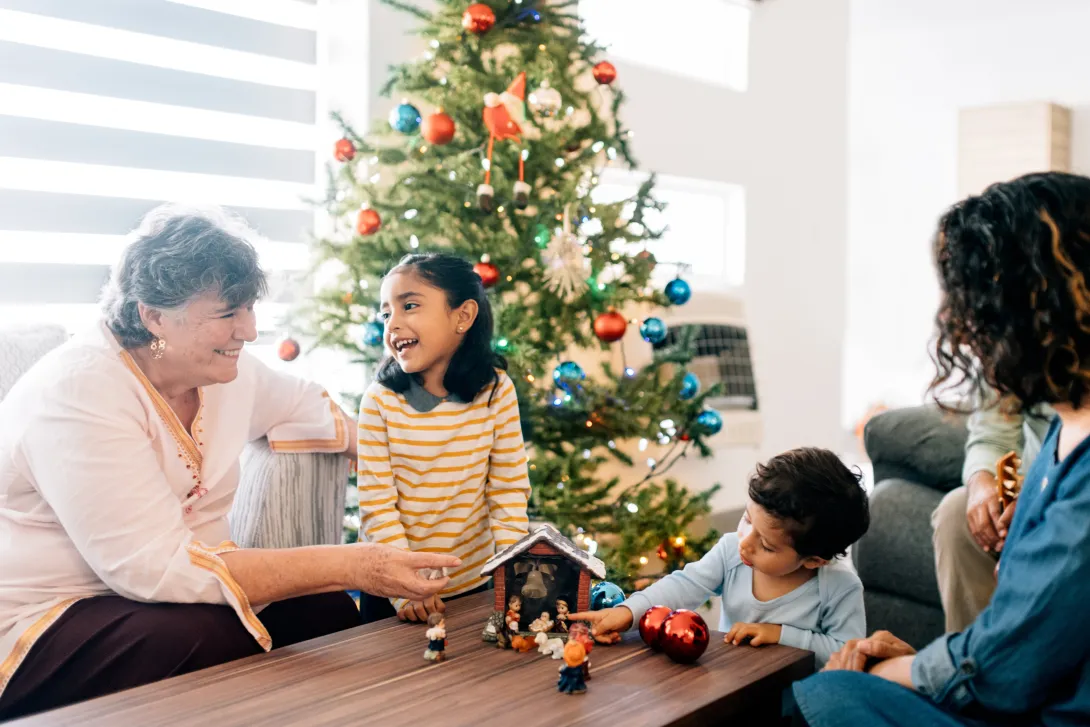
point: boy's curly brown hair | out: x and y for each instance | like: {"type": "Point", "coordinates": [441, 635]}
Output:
{"type": "Point", "coordinates": [1015, 308]}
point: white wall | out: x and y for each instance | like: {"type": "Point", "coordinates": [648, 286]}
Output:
{"type": "Point", "coordinates": [784, 139]}
{"type": "Point", "coordinates": [912, 66]}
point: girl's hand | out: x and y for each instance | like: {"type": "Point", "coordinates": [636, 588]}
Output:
{"type": "Point", "coordinates": [416, 611]}
{"type": "Point", "coordinates": [756, 634]}
{"type": "Point", "coordinates": [607, 625]}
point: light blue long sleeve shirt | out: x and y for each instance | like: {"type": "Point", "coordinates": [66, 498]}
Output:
{"type": "Point", "coordinates": [821, 615]}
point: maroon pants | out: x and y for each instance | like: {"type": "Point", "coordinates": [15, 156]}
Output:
{"type": "Point", "coordinates": [109, 643]}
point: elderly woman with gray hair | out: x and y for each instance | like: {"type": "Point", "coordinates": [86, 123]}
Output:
{"type": "Point", "coordinates": [119, 460]}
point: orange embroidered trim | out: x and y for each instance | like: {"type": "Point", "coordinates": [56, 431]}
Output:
{"type": "Point", "coordinates": [27, 640]}
{"type": "Point", "coordinates": [337, 444]}
{"type": "Point", "coordinates": [181, 436]}
{"type": "Point", "coordinates": [209, 559]}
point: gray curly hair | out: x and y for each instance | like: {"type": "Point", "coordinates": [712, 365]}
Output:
{"type": "Point", "coordinates": [176, 254]}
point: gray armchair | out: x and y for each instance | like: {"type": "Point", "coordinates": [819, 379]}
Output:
{"type": "Point", "coordinates": [917, 455]}
{"type": "Point", "coordinates": [283, 500]}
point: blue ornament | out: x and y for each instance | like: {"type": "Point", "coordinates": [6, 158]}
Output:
{"type": "Point", "coordinates": [678, 291]}
{"type": "Point", "coordinates": [567, 375]}
{"type": "Point", "coordinates": [373, 333]}
{"type": "Point", "coordinates": [709, 422]}
{"type": "Point", "coordinates": [528, 14]}
{"type": "Point", "coordinates": [405, 118]}
{"type": "Point", "coordinates": [653, 330]}
{"type": "Point", "coordinates": [605, 595]}
{"type": "Point", "coordinates": [690, 385]}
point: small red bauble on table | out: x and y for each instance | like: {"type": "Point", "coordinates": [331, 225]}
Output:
{"type": "Point", "coordinates": [489, 273]}
{"type": "Point", "coordinates": [288, 350]}
{"type": "Point", "coordinates": [438, 129]}
{"type": "Point", "coordinates": [610, 326]}
{"type": "Point", "coordinates": [478, 18]}
{"type": "Point", "coordinates": [684, 636]}
{"type": "Point", "coordinates": [369, 222]}
{"type": "Point", "coordinates": [344, 150]}
{"type": "Point", "coordinates": [604, 73]}
{"type": "Point", "coordinates": [651, 625]}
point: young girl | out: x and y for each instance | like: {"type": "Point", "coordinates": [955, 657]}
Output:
{"type": "Point", "coordinates": [442, 467]}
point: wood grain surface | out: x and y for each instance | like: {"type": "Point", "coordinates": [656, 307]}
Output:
{"type": "Point", "coordinates": [376, 674]}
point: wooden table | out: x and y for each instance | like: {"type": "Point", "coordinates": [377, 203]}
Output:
{"type": "Point", "coordinates": [377, 675]}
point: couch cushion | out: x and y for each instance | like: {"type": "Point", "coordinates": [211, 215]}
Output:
{"type": "Point", "coordinates": [896, 555]}
{"type": "Point", "coordinates": [21, 347]}
{"type": "Point", "coordinates": [921, 444]}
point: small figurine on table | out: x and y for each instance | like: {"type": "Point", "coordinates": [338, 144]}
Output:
{"type": "Point", "coordinates": [571, 679]}
{"type": "Point", "coordinates": [514, 605]}
{"type": "Point", "coordinates": [542, 624]}
{"type": "Point", "coordinates": [562, 615]}
{"type": "Point", "coordinates": [581, 632]}
{"type": "Point", "coordinates": [437, 638]}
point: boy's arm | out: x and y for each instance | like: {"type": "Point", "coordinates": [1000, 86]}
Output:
{"type": "Point", "coordinates": [692, 585]}
{"type": "Point", "coordinates": [841, 620]}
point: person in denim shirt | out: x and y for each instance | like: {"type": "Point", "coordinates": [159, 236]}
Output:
{"type": "Point", "coordinates": [1014, 316]}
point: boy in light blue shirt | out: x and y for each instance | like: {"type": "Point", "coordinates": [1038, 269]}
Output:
{"type": "Point", "coordinates": [778, 575]}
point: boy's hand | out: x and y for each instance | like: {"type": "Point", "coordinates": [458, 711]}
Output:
{"type": "Point", "coordinates": [607, 625]}
{"type": "Point", "coordinates": [418, 610]}
{"type": "Point", "coordinates": [756, 634]}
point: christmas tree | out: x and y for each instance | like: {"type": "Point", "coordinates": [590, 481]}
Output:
{"type": "Point", "coordinates": [493, 150]}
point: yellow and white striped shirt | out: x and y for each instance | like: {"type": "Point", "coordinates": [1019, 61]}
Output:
{"type": "Point", "coordinates": [451, 480]}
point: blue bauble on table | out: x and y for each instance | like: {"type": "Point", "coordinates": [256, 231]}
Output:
{"type": "Point", "coordinates": [653, 330]}
{"type": "Point", "coordinates": [405, 118]}
{"type": "Point", "coordinates": [605, 595]}
{"type": "Point", "coordinates": [678, 291]}
{"type": "Point", "coordinates": [690, 385]}
{"type": "Point", "coordinates": [568, 375]}
{"type": "Point", "coordinates": [372, 333]}
{"type": "Point", "coordinates": [709, 422]}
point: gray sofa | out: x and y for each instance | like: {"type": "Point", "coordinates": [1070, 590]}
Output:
{"type": "Point", "coordinates": [283, 500]}
{"type": "Point", "coordinates": [917, 454]}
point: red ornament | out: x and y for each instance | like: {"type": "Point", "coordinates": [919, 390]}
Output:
{"type": "Point", "coordinates": [478, 18]}
{"type": "Point", "coordinates": [438, 129]}
{"type": "Point", "coordinates": [684, 636]}
{"type": "Point", "coordinates": [369, 222]}
{"type": "Point", "coordinates": [649, 257]}
{"type": "Point", "coordinates": [684, 436]}
{"type": "Point", "coordinates": [489, 273]}
{"type": "Point", "coordinates": [651, 625]}
{"type": "Point", "coordinates": [605, 73]}
{"type": "Point", "coordinates": [288, 350]}
{"type": "Point", "coordinates": [661, 551]}
{"type": "Point", "coordinates": [344, 150]}
{"type": "Point", "coordinates": [610, 326]}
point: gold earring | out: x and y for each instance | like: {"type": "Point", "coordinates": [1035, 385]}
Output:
{"type": "Point", "coordinates": [158, 346]}
{"type": "Point", "coordinates": [461, 330]}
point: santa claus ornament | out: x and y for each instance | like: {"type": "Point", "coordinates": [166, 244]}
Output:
{"type": "Point", "coordinates": [505, 117]}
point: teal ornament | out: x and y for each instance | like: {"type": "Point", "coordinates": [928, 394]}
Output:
{"type": "Point", "coordinates": [678, 291]}
{"type": "Point", "coordinates": [373, 333]}
{"type": "Point", "coordinates": [568, 375]}
{"type": "Point", "coordinates": [405, 118]}
{"type": "Point", "coordinates": [690, 385]}
{"type": "Point", "coordinates": [605, 595]}
{"type": "Point", "coordinates": [709, 422]}
{"type": "Point", "coordinates": [653, 330]}
{"type": "Point", "coordinates": [542, 235]}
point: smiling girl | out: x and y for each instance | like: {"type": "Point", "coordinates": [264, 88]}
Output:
{"type": "Point", "coordinates": [442, 467]}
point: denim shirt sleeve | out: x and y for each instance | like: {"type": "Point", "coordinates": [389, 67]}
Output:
{"type": "Point", "coordinates": [1012, 658]}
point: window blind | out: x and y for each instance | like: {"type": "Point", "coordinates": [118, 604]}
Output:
{"type": "Point", "coordinates": [110, 107]}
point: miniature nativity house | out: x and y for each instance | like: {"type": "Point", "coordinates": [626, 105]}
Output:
{"type": "Point", "coordinates": [538, 581]}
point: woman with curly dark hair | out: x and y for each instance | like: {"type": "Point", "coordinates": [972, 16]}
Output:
{"type": "Point", "coordinates": [1014, 317]}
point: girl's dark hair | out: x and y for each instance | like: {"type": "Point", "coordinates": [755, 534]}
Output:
{"type": "Point", "coordinates": [474, 364]}
{"type": "Point", "coordinates": [1015, 308]}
